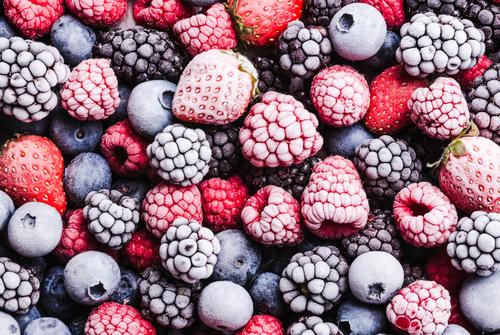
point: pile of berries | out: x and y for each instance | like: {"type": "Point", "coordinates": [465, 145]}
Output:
{"type": "Point", "coordinates": [299, 167]}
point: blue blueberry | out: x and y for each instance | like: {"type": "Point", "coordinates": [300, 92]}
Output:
{"type": "Point", "coordinates": [344, 141]}
{"type": "Point", "coordinates": [47, 326]}
{"type": "Point", "coordinates": [121, 111]}
{"type": "Point", "coordinates": [386, 56]}
{"type": "Point", "coordinates": [455, 330]}
{"type": "Point", "coordinates": [201, 3]}
{"type": "Point", "coordinates": [73, 39]}
{"type": "Point", "coordinates": [135, 188]}
{"type": "Point", "coordinates": [356, 318]}
{"type": "Point", "coordinates": [6, 209]}
{"type": "Point", "coordinates": [77, 325]}
{"type": "Point", "coordinates": [54, 299]}
{"type": "Point", "coordinates": [239, 258]}
{"type": "Point", "coordinates": [126, 293]}
{"type": "Point", "coordinates": [13, 126]}
{"type": "Point", "coordinates": [73, 137]}
{"type": "Point", "coordinates": [266, 295]}
{"type": "Point", "coordinates": [24, 319]}
{"type": "Point", "coordinates": [87, 172]}
{"type": "Point", "coordinates": [6, 29]}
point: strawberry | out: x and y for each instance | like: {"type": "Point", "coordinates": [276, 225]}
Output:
{"type": "Point", "coordinates": [470, 174]}
{"type": "Point", "coordinates": [31, 169]}
{"type": "Point", "coordinates": [389, 93]}
{"type": "Point", "coordinates": [261, 22]}
{"type": "Point", "coordinates": [215, 88]}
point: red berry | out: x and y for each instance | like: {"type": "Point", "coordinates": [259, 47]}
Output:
{"type": "Point", "coordinates": [392, 10]}
{"type": "Point", "coordinates": [33, 18]}
{"type": "Point", "coordinates": [262, 325]}
{"type": "Point", "coordinates": [440, 269]}
{"type": "Point", "coordinates": [102, 13]}
{"type": "Point", "coordinates": [466, 78]}
{"type": "Point", "coordinates": [160, 14]}
{"type": "Point", "coordinates": [142, 250]}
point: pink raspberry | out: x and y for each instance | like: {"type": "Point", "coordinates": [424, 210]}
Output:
{"type": "Point", "coordinates": [424, 216]}
{"type": "Point", "coordinates": [334, 204]}
{"type": "Point", "coordinates": [272, 217]}
{"type": "Point", "coordinates": [279, 131]}
{"type": "Point", "coordinates": [125, 150]}
{"type": "Point", "coordinates": [165, 203]}
{"type": "Point", "coordinates": [340, 95]}
{"type": "Point", "coordinates": [142, 251]}
{"type": "Point", "coordinates": [91, 92]}
{"type": "Point", "coordinates": [33, 18]}
{"type": "Point", "coordinates": [440, 269]}
{"type": "Point", "coordinates": [440, 110]}
{"type": "Point", "coordinates": [393, 11]}
{"type": "Point", "coordinates": [160, 14]}
{"type": "Point", "coordinates": [212, 29]}
{"type": "Point", "coordinates": [101, 13]}
{"type": "Point", "coordinates": [262, 325]}
{"type": "Point", "coordinates": [421, 308]}
{"type": "Point", "coordinates": [222, 202]}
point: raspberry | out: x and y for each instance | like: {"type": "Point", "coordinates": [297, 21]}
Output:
{"type": "Point", "coordinates": [125, 150]}
{"type": "Point", "coordinates": [160, 14]}
{"type": "Point", "coordinates": [262, 325]}
{"type": "Point", "coordinates": [392, 10]}
{"type": "Point", "coordinates": [91, 92]}
{"type": "Point", "coordinates": [101, 13]}
{"type": "Point", "coordinates": [222, 202]}
{"type": "Point", "coordinates": [422, 307]}
{"type": "Point", "coordinates": [334, 204]}
{"type": "Point", "coordinates": [440, 110]}
{"type": "Point", "coordinates": [440, 270]}
{"type": "Point", "coordinates": [164, 203]}
{"type": "Point", "coordinates": [142, 250]}
{"type": "Point", "coordinates": [272, 217]}
{"type": "Point", "coordinates": [212, 29]}
{"type": "Point", "coordinates": [340, 95]}
{"type": "Point", "coordinates": [33, 18]}
{"type": "Point", "coordinates": [425, 217]}
{"type": "Point", "coordinates": [466, 78]}
{"type": "Point", "coordinates": [279, 131]}
{"type": "Point", "coordinates": [112, 318]}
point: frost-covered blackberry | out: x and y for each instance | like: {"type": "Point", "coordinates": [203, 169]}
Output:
{"type": "Point", "coordinates": [180, 155]}
{"type": "Point", "coordinates": [19, 288]}
{"type": "Point", "coordinates": [313, 325]}
{"type": "Point", "coordinates": [29, 74]}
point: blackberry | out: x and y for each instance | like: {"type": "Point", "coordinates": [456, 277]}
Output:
{"type": "Point", "coordinates": [413, 272]}
{"type": "Point", "coordinates": [313, 325]}
{"type": "Point", "coordinates": [379, 234]}
{"type": "Point", "coordinates": [320, 12]}
{"type": "Point", "coordinates": [139, 54]}
{"type": "Point", "coordinates": [455, 8]}
{"type": "Point", "coordinates": [270, 76]}
{"type": "Point", "coordinates": [20, 289]}
{"type": "Point", "coordinates": [484, 104]}
{"type": "Point", "coordinates": [292, 179]}
{"type": "Point", "coordinates": [226, 150]}
{"type": "Point", "coordinates": [485, 14]}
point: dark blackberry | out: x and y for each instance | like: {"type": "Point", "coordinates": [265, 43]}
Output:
{"type": "Point", "coordinates": [486, 16]}
{"type": "Point", "coordinates": [293, 178]}
{"type": "Point", "coordinates": [226, 150]}
{"type": "Point", "coordinates": [270, 76]}
{"type": "Point", "coordinates": [413, 272]}
{"type": "Point", "coordinates": [449, 7]}
{"type": "Point", "coordinates": [320, 12]}
{"type": "Point", "coordinates": [139, 54]}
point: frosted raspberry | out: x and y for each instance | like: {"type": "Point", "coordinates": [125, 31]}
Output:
{"type": "Point", "coordinates": [340, 95]}
{"type": "Point", "coordinates": [421, 308]}
{"type": "Point", "coordinates": [212, 29]}
{"type": "Point", "coordinates": [222, 202]}
{"type": "Point", "coordinates": [279, 131]}
{"type": "Point", "coordinates": [439, 269]}
{"type": "Point", "coordinates": [142, 250]}
{"type": "Point", "coordinates": [392, 10]}
{"type": "Point", "coordinates": [439, 110]}
{"type": "Point", "coordinates": [262, 325]}
{"type": "Point", "coordinates": [102, 13]}
{"type": "Point", "coordinates": [466, 78]}
{"type": "Point", "coordinates": [272, 217]}
{"type": "Point", "coordinates": [33, 18]}
{"type": "Point", "coordinates": [125, 150]}
{"type": "Point", "coordinates": [91, 92]}
{"type": "Point", "coordinates": [164, 203]}
{"type": "Point", "coordinates": [160, 14]}
{"type": "Point", "coordinates": [112, 318]}
{"type": "Point", "coordinates": [424, 216]}
{"type": "Point", "coordinates": [334, 204]}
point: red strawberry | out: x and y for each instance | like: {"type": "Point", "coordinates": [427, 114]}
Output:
{"type": "Point", "coordinates": [261, 22]}
{"type": "Point", "coordinates": [470, 174]}
{"type": "Point", "coordinates": [31, 169]}
{"type": "Point", "coordinates": [389, 93]}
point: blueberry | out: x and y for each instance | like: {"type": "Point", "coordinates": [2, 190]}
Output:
{"type": "Point", "coordinates": [77, 325]}
{"type": "Point", "coordinates": [13, 126]}
{"type": "Point", "coordinates": [6, 30]}
{"type": "Point", "coordinates": [201, 3]}
{"type": "Point", "coordinates": [8, 325]}
{"type": "Point", "coordinates": [54, 299]}
{"type": "Point", "coordinates": [239, 258]}
{"type": "Point", "coordinates": [73, 137]}
{"type": "Point", "coordinates": [73, 39]}
{"type": "Point", "coordinates": [6, 209]}
{"type": "Point", "coordinates": [47, 326]}
{"type": "Point", "coordinates": [87, 172]}
{"type": "Point", "coordinates": [24, 319]}
{"type": "Point", "coordinates": [135, 188]}
{"type": "Point", "coordinates": [344, 141]}
{"type": "Point", "coordinates": [356, 318]}
{"type": "Point", "coordinates": [126, 293]}
{"type": "Point", "coordinates": [266, 295]}
{"type": "Point", "coordinates": [121, 111]}
{"type": "Point", "coordinates": [455, 330]}
{"type": "Point", "coordinates": [386, 56]}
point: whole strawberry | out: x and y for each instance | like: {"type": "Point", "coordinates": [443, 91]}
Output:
{"type": "Point", "coordinates": [216, 87]}
{"type": "Point", "coordinates": [470, 174]}
{"type": "Point", "coordinates": [261, 22]}
{"type": "Point", "coordinates": [31, 169]}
